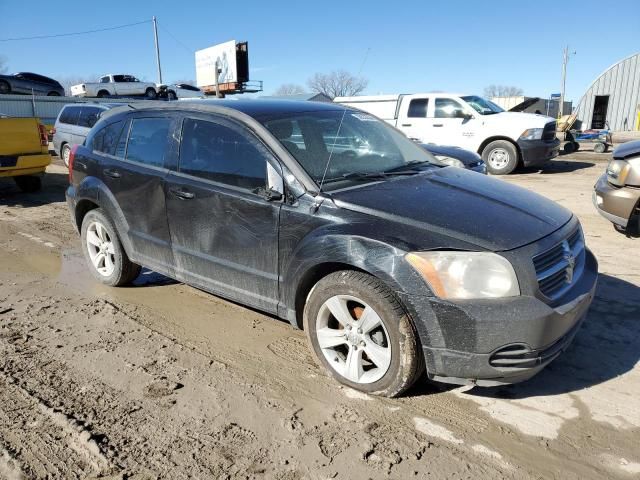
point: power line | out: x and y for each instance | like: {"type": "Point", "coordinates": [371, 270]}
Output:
{"type": "Point", "coordinates": [190, 50]}
{"type": "Point", "coordinates": [38, 37]}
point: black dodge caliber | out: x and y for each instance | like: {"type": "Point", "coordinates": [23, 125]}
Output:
{"type": "Point", "coordinates": [391, 262]}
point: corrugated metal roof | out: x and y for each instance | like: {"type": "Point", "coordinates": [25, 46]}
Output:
{"type": "Point", "coordinates": [621, 82]}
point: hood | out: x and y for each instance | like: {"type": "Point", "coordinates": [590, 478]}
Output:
{"type": "Point", "coordinates": [526, 120]}
{"type": "Point", "coordinates": [522, 106]}
{"type": "Point", "coordinates": [489, 213]}
{"type": "Point", "coordinates": [626, 150]}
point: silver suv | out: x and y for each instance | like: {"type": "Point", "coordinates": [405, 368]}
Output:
{"type": "Point", "coordinates": [73, 124]}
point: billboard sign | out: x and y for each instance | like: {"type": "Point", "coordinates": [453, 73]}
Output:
{"type": "Point", "coordinates": [225, 55]}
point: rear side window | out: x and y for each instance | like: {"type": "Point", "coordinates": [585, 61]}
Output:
{"type": "Point", "coordinates": [448, 108]}
{"type": "Point", "coordinates": [418, 108]}
{"type": "Point", "coordinates": [106, 139]}
{"type": "Point", "coordinates": [89, 116]}
{"type": "Point", "coordinates": [223, 154]}
{"type": "Point", "coordinates": [70, 115]}
{"type": "Point", "coordinates": [148, 140]}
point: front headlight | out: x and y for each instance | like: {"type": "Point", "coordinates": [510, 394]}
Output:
{"type": "Point", "coordinates": [617, 172]}
{"type": "Point", "coordinates": [452, 162]}
{"type": "Point", "coordinates": [466, 275]}
{"type": "Point", "coordinates": [531, 134]}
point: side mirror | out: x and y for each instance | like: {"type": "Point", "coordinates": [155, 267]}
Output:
{"type": "Point", "coordinates": [463, 115]}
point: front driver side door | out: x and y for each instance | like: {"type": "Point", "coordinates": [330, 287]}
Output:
{"type": "Point", "coordinates": [224, 228]}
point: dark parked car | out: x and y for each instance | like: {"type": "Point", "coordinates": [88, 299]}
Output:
{"type": "Point", "coordinates": [28, 83]}
{"type": "Point", "coordinates": [457, 157]}
{"type": "Point", "coordinates": [390, 263]}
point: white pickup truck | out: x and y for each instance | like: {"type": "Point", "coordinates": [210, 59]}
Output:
{"type": "Point", "coordinates": [116, 86]}
{"type": "Point", "coordinates": [503, 139]}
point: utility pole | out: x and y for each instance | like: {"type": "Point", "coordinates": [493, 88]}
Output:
{"type": "Point", "coordinates": [565, 60]}
{"type": "Point", "coordinates": [155, 37]}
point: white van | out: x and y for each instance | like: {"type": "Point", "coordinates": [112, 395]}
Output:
{"type": "Point", "coordinates": [504, 139]}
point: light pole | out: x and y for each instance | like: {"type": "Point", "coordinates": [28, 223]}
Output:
{"type": "Point", "coordinates": [565, 60]}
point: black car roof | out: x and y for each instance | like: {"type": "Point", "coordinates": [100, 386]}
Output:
{"type": "Point", "coordinates": [256, 108]}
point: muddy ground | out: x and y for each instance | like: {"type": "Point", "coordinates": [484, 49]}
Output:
{"type": "Point", "coordinates": [160, 380]}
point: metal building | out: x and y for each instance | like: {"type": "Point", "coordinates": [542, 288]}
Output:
{"type": "Point", "coordinates": [613, 99]}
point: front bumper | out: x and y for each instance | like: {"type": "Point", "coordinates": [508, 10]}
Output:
{"type": "Point", "coordinates": [502, 341]}
{"type": "Point", "coordinates": [616, 204]}
{"type": "Point", "coordinates": [537, 152]}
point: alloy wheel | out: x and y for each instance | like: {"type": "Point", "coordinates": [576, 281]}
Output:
{"type": "Point", "coordinates": [101, 249]}
{"type": "Point", "coordinates": [353, 339]}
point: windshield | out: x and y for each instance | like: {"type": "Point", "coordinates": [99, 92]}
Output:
{"type": "Point", "coordinates": [482, 105]}
{"type": "Point", "coordinates": [361, 144]}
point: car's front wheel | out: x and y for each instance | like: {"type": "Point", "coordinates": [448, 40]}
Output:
{"type": "Point", "coordinates": [501, 157]}
{"type": "Point", "coordinates": [150, 93]}
{"type": "Point", "coordinates": [103, 251]}
{"type": "Point", "coordinates": [361, 334]}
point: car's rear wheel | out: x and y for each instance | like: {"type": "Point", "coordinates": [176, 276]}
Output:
{"type": "Point", "coordinates": [5, 87]}
{"type": "Point", "coordinates": [103, 251]}
{"type": "Point", "coordinates": [171, 95]}
{"type": "Point", "coordinates": [64, 153]}
{"type": "Point", "coordinates": [150, 93]}
{"type": "Point", "coordinates": [361, 334]}
{"type": "Point", "coordinates": [103, 94]}
{"type": "Point", "coordinates": [501, 157]}
{"type": "Point", "coordinates": [28, 183]}
{"type": "Point", "coordinates": [53, 94]}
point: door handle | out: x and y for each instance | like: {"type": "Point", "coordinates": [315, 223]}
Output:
{"type": "Point", "coordinates": [182, 194]}
{"type": "Point", "coordinates": [406, 124]}
{"type": "Point", "coordinates": [438, 125]}
{"type": "Point", "coordinates": [110, 172]}
{"type": "Point", "coordinates": [80, 164]}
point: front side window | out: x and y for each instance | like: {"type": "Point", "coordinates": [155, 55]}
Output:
{"type": "Point", "coordinates": [418, 108]}
{"type": "Point", "coordinates": [344, 145]}
{"type": "Point", "coordinates": [106, 139]}
{"type": "Point", "coordinates": [148, 139]}
{"type": "Point", "coordinates": [222, 153]}
{"type": "Point", "coordinates": [119, 78]}
{"type": "Point", "coordinates": [448, 108]}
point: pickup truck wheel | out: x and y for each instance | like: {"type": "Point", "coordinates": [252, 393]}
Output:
{"type": "Point", "coordinates": [65, 151]}
{"type": "Point", "coordinates": [361, 334]}
{"type": "Point", "coordinates": [103, 94]}
{"type": "Point", "coordinates": [103, 251]}
{"type": "Point", "coordinates": [28, 183]}
{"type": "Point", "coordinates": [5, 87]}
{"type": "Point", "coordinates": [501, 157]}
{"type": "Point", "coordinates": [150, 93]}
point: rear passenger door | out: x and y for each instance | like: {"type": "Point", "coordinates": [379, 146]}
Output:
{"type": "Point", "coordinates": [134, 169]}
{"type": "Point", "coordinates": [413, 118]}
{"type": "Point", "coordinates": [224, 229]}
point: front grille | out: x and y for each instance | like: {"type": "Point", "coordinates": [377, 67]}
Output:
{"type": "Point", "coordinates": [549, 132]}
{"type": "Point", "coordinates": [559, 267]}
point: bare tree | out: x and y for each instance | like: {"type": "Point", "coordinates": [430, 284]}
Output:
{"type": "Point", "coordinates": [502, 91]}
{"type": "Point", "coordinates": [338, 83]}
{"type": "Point", "coordinates": [67, 82]}
{"type": "Point", "coordinates": [3, 64]}
{"type": "Point", "coordinates": [289, 89]}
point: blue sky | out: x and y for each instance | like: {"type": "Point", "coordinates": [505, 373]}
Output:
{"type": "Point", "coordinates": [419, 46]}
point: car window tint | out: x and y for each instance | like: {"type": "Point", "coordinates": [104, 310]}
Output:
{"type": "Point", "coordinates": [448, 108]}
{"type": "Point", "coordinates": [148, 138]}
{"type": "Point", "coordinates": [70, 115]}
{"type": "Point", "coordinates": [418, 108]}
{"type": "Point", "coordinates": [106, 139]}
{"type": "Point", "coordinates": [118, 78]}
{"type": "Point", "coordinates": [88, 116]}
{"type": "Point", "coordinates": [223, 154]}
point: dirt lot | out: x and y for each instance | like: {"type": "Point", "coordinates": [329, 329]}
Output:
{"type": "Point", "coordinates": [160, 380]}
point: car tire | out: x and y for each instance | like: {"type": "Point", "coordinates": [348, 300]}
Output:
{"type": "Point", "coordinates": [569, 148]}
{"type": "Point", "coordinates": [501, 157]}
{"type": "Point", "coordinates": [28, 183]}
{"type": "Point", "coordinates": [381, 358]}
{"type": "Point", "coordinates": [150, 93]}
{"type": "Point", "coordinates": [576, 146]}
{"type": "Point", "coordinates": [65, 151]}
{"type": "Point", "coordinates": [107, 260]}
{"type": "Point", "coordinates": [171, 95]}
{"type": "Point", "coordinates": [103, 94]}
{"type": "Point", "coordinates": [5, 88]}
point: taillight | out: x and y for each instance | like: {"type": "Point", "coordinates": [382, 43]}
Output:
{"type": "Point", "coordinates": [52, 131]}
{"type": "Point", "coordinates": [44, 136]}
{"type": "Point", "coordinates": [72, 157]}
